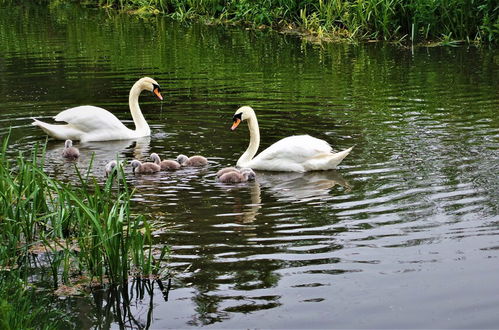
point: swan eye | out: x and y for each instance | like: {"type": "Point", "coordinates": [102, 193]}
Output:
{"type": "Point", "coordinates": [238, 116]}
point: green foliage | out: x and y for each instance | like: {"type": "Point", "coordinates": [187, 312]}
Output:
{"type": "Point", "coordinates": [419, 20]}
{"type": "Point", "coordinates": [22, 308]}
{"type": "Point", "coordinates": [86, 229]}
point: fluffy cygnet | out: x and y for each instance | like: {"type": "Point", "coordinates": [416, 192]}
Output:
{"type": "Point", "coordinates": [251, 173]}
{"type": "Point", "coordinates": [166, 165]}
{"type": "Point", "coordinates": [144, 168]}
{"type": "Point", "coordinates": [192, 161]}
{"type": "Point", "coordinates": [109, 168]}
{"type": "Point", "coordinates": [234, 177]}
{"type": "Point", "coordinates": [226, 170]}
{"type": "Point", "coordinates": [69, 151]}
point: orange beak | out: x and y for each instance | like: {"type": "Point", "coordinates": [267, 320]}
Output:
{"type": "Point", "coordinates": [236, 123]}
{"type": "Point", "coordinates": [158, 94]}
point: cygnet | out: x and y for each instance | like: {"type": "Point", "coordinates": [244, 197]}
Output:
{"type": "Point", "coordinates": [69, 151]}
{"type": "Point", "coordinates": [144, 168]}
{"type": "Point", "coordinates": [237, 177]}
{"type": "Point", "coordinates": [166, 165]}
{"type": "Point", "coordinates": [109, 168]}
{"type": "Point", "coordinates": [192, 161]}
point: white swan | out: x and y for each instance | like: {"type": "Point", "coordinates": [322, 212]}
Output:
{"type": "Point", "coordinates": [298, 153]}
{"type": "Point", "coordinates": [89, 123]}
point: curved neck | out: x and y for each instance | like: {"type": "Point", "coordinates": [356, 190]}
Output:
{"type": "Point", "coordinates": [254, 141]}
{"type": "Point", "coordinates": [141, 126]}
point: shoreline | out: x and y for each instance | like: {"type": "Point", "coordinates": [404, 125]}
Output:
{"type": "Point", "coordinates": [321, 25]}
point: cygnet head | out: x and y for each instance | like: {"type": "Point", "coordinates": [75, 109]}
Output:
{"type": "Point", "coordinates": [135, 163]}
{"type": "Point", "coordinates": [155, 158]}
{"type": "Point", "coordinates": [68, 144]}
{"type": "Point", "coordinates": [110, 167]}
{"type": "Point", "coordinates": [182, 159]}
{"type": "Point", "coordinates": [248, 173]}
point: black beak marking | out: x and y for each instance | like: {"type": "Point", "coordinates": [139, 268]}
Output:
{"type": "Point", "coordinates": [238, 116]}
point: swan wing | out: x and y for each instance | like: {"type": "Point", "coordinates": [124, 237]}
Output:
{"type": "Point", "coordinates": [296, 148]}
{"type": "Point", "coordinates": [87, 118]}
{"type": "Point", "coordinates": [291, 154]}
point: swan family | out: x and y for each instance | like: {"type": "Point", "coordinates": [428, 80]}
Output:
{"type": "Point", "coordinates": [298, 153]}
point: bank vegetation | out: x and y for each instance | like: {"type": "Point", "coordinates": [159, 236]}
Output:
{"type": "Point", "coordinates": [415, 21]}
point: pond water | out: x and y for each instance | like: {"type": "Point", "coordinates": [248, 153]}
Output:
{"type": "Point", "coordinates": [404, 234]}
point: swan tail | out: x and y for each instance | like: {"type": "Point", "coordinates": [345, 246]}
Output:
{"type": "Point", "coordinates": [337, 157]}
{"type": "Point", "coordinates": [327, 162]}
{"type": "Point", "coordinates": [60, 132]}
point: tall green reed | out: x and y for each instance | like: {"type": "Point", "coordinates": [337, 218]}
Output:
{"type": "Point", "coordinates": [23, 308]}
{"type": "Point", "coordinates": [85, 228]}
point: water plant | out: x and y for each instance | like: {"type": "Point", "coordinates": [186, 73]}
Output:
{"type": "Point", "coordinates": [22, 308]}
{"type": "Point", "coordinates": [79, 230]}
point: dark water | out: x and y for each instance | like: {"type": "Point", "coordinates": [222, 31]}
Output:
{"type": "Point", "coordinates": [403, 235]}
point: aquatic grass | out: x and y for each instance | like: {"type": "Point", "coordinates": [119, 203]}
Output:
{"type": "Point", "coordinates": [85, 228]}
{"type": "Point", "coordinates": [23, 308]}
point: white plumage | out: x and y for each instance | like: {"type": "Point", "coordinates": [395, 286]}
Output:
{"type": "Point", "coordinates": [298, 153]}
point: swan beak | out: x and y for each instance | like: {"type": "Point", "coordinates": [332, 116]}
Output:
{"type": "Point", "coordinates": [158, 94]}
{"type": "Point", "coordinates": [236, 123]}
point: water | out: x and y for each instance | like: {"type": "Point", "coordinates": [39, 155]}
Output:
{"type": "Point", "coordinates": [403, 235]}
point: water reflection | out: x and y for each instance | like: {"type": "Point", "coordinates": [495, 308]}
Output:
{"type": "Point", "coordinates": [131, 307]}
{"type": "Point", "coordinates": [244, 209]}
{"type": "Point", "coordinates": [302, 187]}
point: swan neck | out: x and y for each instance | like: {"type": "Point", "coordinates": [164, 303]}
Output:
{"type": "Point", "coordinates": [141, 126]}
{"type": "Point", "coordinates": [254, 141]}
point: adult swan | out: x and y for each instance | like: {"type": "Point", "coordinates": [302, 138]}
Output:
{"type": "Point", "coordinates": [298, 153]}
{"type": "Point", "coordinates": [89, 123]}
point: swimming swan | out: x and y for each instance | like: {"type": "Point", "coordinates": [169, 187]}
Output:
{"type": "Point", "coordinates": [89, 123]}
{"type": "Point", "coordinates": [298, 153]}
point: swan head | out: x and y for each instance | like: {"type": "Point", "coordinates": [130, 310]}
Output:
{"type": "Point", "coordinates": [182, 159]}
{"type": "Point", "coordinates": [150, 84]}
{"type": "Point", "coordinates": [243, 113]}
{"type": "Point", "coordinates": [68, 144]}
